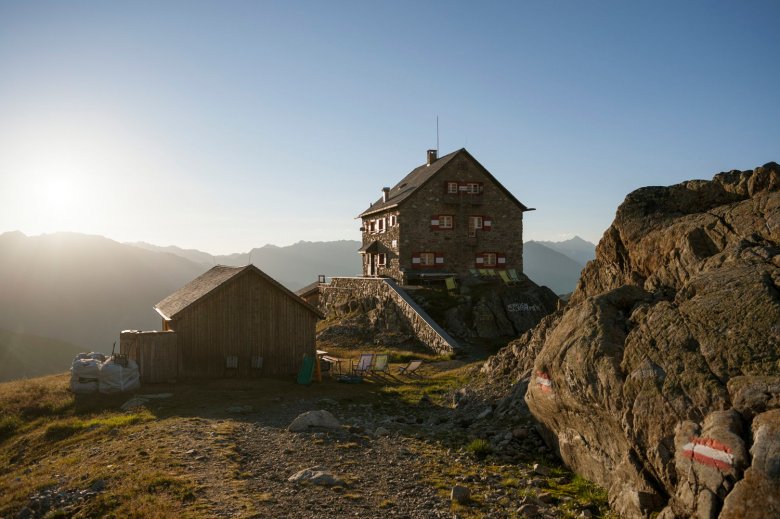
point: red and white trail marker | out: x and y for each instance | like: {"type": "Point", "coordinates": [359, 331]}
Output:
{"type": "Point", "coordinates": [543, 381]}
{"type": "Point", "coordinates": [710, 452]}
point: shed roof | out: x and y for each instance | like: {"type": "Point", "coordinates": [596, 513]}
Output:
{"type": "Point", "coordinates": [419, 176]}
{"type": "Point", "coordinates": [209, 281]}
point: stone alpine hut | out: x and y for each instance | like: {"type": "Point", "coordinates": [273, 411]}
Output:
{"type": "Point", "coordinates": [445, 217]}
{"type": "Point", "coordinates": [238, 319]}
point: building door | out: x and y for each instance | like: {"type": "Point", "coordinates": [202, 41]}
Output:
{"type": "Point", "coordinates": [372, 264]}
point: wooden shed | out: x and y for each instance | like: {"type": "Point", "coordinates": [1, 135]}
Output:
{"type": "Point", "coordinates": [238, 320]}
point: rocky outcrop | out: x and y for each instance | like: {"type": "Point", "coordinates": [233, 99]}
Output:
{"type": "Point", "coordinates": [378, 309]}
{"type": "Point", "coordinates": [659, 380]}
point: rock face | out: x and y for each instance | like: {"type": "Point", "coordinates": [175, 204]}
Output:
{"type": "Point", "coordinates": [362, 309]}
{"type": "Point", "coordinates": [661, 378]}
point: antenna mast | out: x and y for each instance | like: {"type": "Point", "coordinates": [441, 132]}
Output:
{"type": "Point", "coordinates": [437, 134]}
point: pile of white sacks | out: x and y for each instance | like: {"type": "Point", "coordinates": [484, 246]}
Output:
{"type": "Point", "coordinates": [93, 372]}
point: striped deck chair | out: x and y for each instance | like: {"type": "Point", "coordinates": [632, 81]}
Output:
{"type": "Point", "coordinates": [381, 365]}
{"type": "Point", "coordinates": [410, 370]}
{"type": "Point", "coordinates": [363, 365]}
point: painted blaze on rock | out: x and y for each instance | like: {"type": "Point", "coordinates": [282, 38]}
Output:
{"type": "Point", "coordinates": [710, 452]}
{"type": "Point", "coordinates": [543, 381]}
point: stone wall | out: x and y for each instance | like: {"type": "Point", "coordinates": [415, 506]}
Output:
{"type": "Point", "coordinates": [395, 308]}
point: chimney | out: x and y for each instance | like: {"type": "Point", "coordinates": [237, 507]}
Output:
{"type": "Point", "coordinates": [432, 156]}
{"type": "Point", "coordinates": [385, 194]}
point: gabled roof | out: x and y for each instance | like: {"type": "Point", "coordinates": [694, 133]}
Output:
{"type": "Point", "coordinates": [209, 281]}
{"type": "Point", "coordinates": [420, 176]}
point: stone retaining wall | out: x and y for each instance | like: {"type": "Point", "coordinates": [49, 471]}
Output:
{"type": "Point", "coordinates": [384, 292]}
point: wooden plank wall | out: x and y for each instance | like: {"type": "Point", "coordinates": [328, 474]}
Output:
{"type": "Point", "coordinates": [246, 316]}
{"type": "Point", "coordinates": [155, 352]}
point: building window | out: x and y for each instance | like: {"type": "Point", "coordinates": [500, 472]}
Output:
{"type": "Point", "coordinates": [475, 222]}
{"type": "Point", "coordinates": [372, 226]}
{"type": "Point", "coordinates": [452, 188]}
{"type": "Point", "coordinates": [381, 259]}
{"type": "Point", "coordinates": [473, 188]}
{"type": "Point", "coordinates": [380, 225]}
{"type": "Point", "coordinates": [395, 244]}
{"type": "Point", "coordinates": [427, 259]}
{"type": "Point", "coordinates": [445, 221]}
{"type": "Point", "coordinates": [490, 259]}
{"type": "Point", "coordinates": [393, 221]}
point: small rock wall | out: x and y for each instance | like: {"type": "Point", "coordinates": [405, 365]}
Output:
{"type": "Point", "coordinates": [346, 294]}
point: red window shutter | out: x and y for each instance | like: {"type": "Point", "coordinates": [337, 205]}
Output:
{"type": "Point", "coordinates": [435, 222]}
{"type": "Point", "coordinates": [416, 260]}
{"type": "Point", "coordinates": [487, 223]}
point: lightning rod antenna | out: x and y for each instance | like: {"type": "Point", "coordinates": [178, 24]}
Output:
{"type": "Point", "coordinates": [437, 134]}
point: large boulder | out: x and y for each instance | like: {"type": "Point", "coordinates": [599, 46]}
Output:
{"type": "Point", "coordinates": [666, 358]}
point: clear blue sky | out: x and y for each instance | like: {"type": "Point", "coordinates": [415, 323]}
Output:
{"type": "Point", "coordinates": [227, 125]}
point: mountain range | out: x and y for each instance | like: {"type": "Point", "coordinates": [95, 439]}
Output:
{"type": "Point", "coordinates": [82, 290]}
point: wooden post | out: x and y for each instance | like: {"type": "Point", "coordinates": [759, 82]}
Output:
{"type": "Point", "coordinates": [317, 371]}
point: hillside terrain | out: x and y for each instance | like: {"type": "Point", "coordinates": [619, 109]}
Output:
{"type": "Point", "coordinates": [26, 356]}
{"type": "Point", "coordinates": [660, 380]}
{"type": "Point", "coordinates": [397, 448]}
{"type": "Point", "coordinates": [84, 289]}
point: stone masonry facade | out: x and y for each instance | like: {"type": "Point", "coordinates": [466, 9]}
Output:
{"type": "Point", "coordinates": [461, 218]}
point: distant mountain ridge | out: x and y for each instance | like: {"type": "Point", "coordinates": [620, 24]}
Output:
{"type": "Point", "coordinates": [576, 248]}
{"type": "Point", "coordinates": [294, 266]}
{"type": "Point", "coordinates": [550, 268]}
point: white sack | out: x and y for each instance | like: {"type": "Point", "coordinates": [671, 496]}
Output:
{"type": "Point", "coordinates": [116, 379]}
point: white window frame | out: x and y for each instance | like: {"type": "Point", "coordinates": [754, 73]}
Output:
{"type": "Point", "coordinates": [487, 257]}
{"type": "Point", "coordinates": [472, 188]}
{"type": "Point", "coordinates": [380, 225]}
{"type": "Point", "coordinates": [424, 256]}
{"type": "Point", "coordinates": [452, 188]}
{"type": "Point", "coordinates": [381, 259]}
{"type": "Point", "coordinates": [446, 218]}
{"type": "Point", "coordinates": [475, 224]}
{"type": "Point", "coordinates": [393, 220]}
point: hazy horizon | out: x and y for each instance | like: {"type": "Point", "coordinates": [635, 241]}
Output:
{"type": "Point", "coordinates": [218, 126]}
{"type": "Point", "coordinates": [234, 251]}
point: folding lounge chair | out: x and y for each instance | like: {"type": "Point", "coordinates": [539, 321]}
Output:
{"type": "Point", "coordinates": [381, 366]}
{"type": "Point", "coordinates": [513, 275]}
{"type": "Point", "coordinates": [363, 366]}
{"type": "Point", "coordinates": [410, 370]}
{"type": "Point", "coordinates": [452, 287]}
{"type": "Point", "coordinates": [505, 277]}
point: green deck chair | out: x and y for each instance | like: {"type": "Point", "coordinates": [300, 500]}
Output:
{"type": "Point", "coordinates": [505, 277]}
{"type": "Point", "coordinates": [452, 287]}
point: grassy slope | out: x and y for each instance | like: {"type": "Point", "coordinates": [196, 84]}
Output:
{"type": "Point", "coordinates": [24, 356]}
{"type": "Point", "coordinates": [49, 439]}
